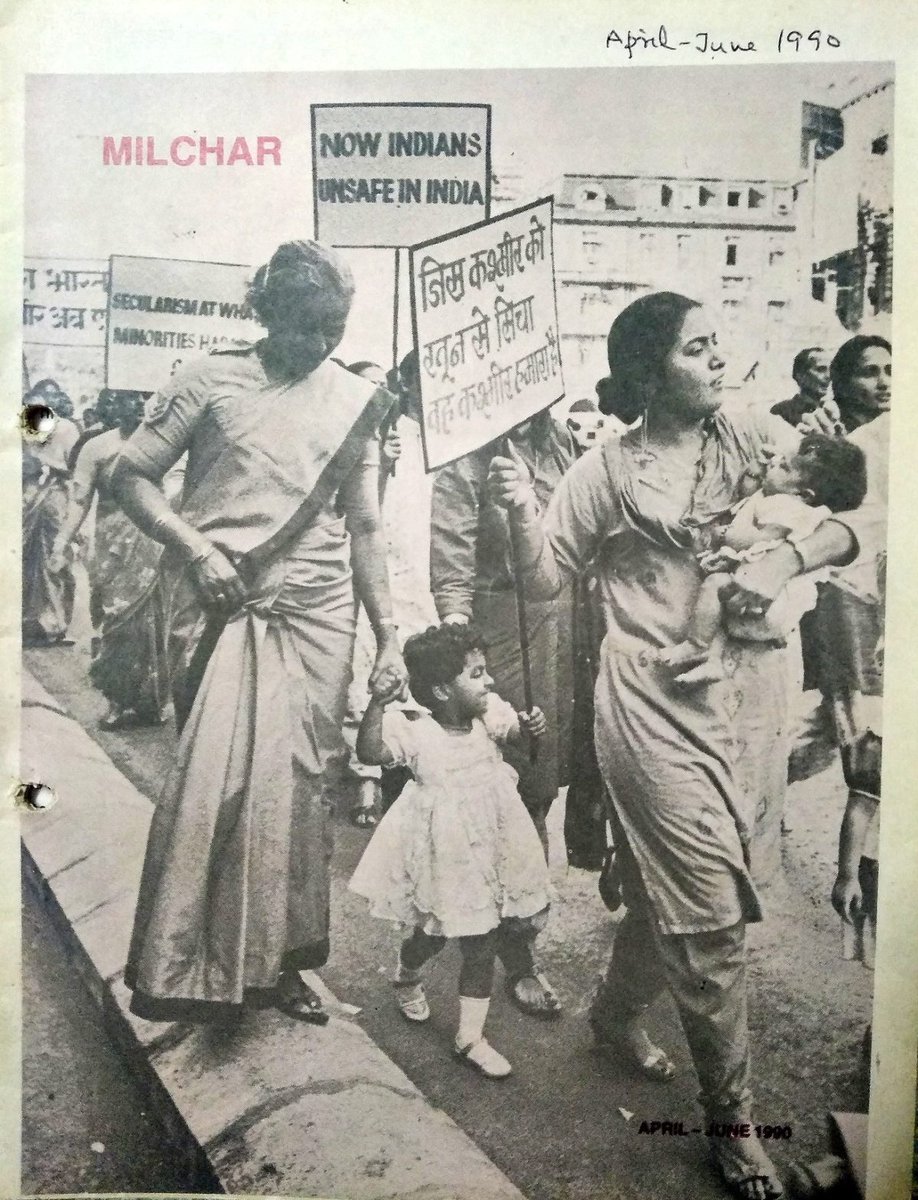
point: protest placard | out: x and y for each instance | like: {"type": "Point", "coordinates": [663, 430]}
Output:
{"type": "Point", "coordinates": [165, 310]}
{"type": "Point", "coordinates": [486, 330]}
{"type": "Point", "coordinates": [64, 301]}
{"type": "Point", "coordinates": [391, 175]}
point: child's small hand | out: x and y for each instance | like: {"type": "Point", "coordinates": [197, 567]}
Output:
{"type": "Point", "coordinates": [533, 723]}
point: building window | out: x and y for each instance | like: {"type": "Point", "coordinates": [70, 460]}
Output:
{"type": "Point", "coordinates": [591, 196]}
{"type": "Point", "coordinates": [733, 199]}
{"type": "Point", "coordinates": [706, 196]}
{"type": "Point", "coordinates": [756, 198]}
{"type": "Point", "coordinates": [775, 255]}
{"type": "Point", "coordinates": [731, 254]}
{"type": "Point", "coordinates": [735, 285]}
{"type": "Point", "coordinates": [880, 145]}
{"type": "Point", "coordinates": [783, 200]}
{"type": "Point", "coordinates": [592, 247]}
{"type": "Point", "coordinates": [666, 195]}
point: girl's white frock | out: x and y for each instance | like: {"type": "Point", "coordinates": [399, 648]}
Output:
{"type": "Point", "coordinates": [457, 851]}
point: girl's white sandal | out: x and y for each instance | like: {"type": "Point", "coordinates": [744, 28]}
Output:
{"type": "Point", "coordinates": [484, 1058]}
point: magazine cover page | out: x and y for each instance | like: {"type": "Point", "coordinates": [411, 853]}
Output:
{"type": "Point", "coordinates": [446, 671]}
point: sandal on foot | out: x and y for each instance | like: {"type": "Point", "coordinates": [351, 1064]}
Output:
{"type": "Point", "coordinates": [746, 1169]}
{"type": "Point", "coordinates": [300, 1002]}
{"type": "Point", "coordinates": [655, 1064]}
{"type": "Point", "coordinates": [484, 1058]}
{"type": "Point", "coordinates": [412, 1001]}
{"type": "Point", "coordinates": [365, 812]}
{"type": "Point", "coordinates": [364, 816]}
{"type": "Point", "coordinates": [545, 1005]}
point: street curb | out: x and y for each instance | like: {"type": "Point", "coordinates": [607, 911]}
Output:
{"type": "Point", "coordinates": [267, 1107]}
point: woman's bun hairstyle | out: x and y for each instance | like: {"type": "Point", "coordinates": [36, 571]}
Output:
{"type": "Point", "coordinates": [303, 274]}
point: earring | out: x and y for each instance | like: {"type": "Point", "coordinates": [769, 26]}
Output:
{"type": "Point", "coordinates": [644, 456]}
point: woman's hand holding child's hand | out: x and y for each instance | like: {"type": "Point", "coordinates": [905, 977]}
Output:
{"type": "Point", "coordinates": [533, 723]}
{"type": "Point", "coordinates": [387, 686]}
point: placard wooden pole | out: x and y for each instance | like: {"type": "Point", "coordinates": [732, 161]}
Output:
{"type": "Point", "coordinates": [395, 312]}
{"type": "Point", "coordinates": [522, 621]}
{"type": "Point", "coordinates": [392, 419]}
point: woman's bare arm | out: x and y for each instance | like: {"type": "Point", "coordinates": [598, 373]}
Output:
{"type": "Point", "coordinates": [360, 502]}
{"type": "Point", "coordinates": [143, 501]}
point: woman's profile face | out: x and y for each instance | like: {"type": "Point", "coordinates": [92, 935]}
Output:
{"type": "Point", "coordinates": [693, 371]}
{"type": "Point", "coordinates": [869, 385]}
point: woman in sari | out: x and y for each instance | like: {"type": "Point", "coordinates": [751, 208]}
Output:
{"type": "Point", "coordinates": [696, 776]}
{"type": "Point", "coordinates": [129, 661]}
{"type": "Point", "coordinates": [277, 527]}
{"type": "Point", "coordinates": [844, 629]}
{"type": "Point", "coordinates": [47, 591]}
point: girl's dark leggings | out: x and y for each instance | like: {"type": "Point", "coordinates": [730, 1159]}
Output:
{"type": "Point", "coordinates": [511, 941]}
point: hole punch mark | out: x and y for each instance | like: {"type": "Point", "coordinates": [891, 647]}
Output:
{"type": "Point", "coordinates": [38, 421]}
{"type": "Point", "coordinates": [37, 797]}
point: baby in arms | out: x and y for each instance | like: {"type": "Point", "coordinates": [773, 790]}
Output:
{"type": "Point", "coordinates": [798, 491]}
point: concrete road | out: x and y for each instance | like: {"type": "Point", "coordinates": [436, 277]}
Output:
{"type": "Point", "coordinates": [85, 1121]}
{"type": "Point", "coordinates": [566, 1125]}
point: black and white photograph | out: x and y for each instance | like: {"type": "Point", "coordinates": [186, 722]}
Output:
{"type": "Point", "coordinates": [454, 569]}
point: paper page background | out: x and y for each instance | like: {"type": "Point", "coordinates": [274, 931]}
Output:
{"type": "Point", "coordinates": [391, 34]}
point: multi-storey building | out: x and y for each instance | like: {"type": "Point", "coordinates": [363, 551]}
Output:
{"type": "Point", "coordinates": [846, 214]}
{"type": "Point", "coordinates": [729, 242]}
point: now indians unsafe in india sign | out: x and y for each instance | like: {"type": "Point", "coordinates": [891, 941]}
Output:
{"type": "Point", "coordinates": [396, 174]}
{"type": "Point", "coordinates": [486, 330]}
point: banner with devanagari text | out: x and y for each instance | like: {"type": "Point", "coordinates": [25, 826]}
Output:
{"type": "Point", "coordinates": [64, 301]}
{"type": "Point", "coordinates": [486, 330]}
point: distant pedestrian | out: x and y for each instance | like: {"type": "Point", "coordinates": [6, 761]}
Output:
{"type": "Point", "coordinates": [457, 855]}
{"type": "Point", "coordinates": [841, 635]}
{"type": "Point", "coordinates": [811, 375]}
{"type": "Point", "coordinates": [129, 665]}
{"type": "Point", "coordinates": [47, 594]}
{"type": "Point", "coordinates": [586, 809]}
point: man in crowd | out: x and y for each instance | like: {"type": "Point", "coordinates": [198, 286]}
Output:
{"type": "Point", "coordinates": [811, 375]}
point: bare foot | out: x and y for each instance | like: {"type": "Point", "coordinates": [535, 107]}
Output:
{"type": "Point", "coordinates": [629, 1042]}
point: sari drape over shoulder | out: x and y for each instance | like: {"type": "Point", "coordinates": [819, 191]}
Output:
{"type": "Point", "coordinates": [235, 881]}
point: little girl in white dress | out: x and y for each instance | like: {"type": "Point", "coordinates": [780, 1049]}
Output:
{"type": "Point", "coordinates": [457, 855]}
